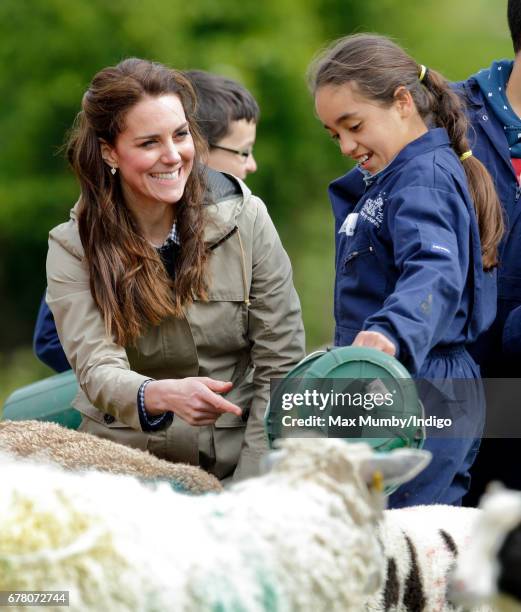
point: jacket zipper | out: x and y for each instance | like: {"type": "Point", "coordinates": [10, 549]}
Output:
{"type": "Point", "coordinates": [223, 239]}
{"type": "Point", "coordinates": [354, 254]}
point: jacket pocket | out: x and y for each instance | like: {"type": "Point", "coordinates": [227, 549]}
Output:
{"type": "Point", "coordinates": [361, 269]}
{"type": "Point", "coordinates": [230, 420]}
{"type": "Point", "coordinates": [359, 253]}
{"type": "Point", "coordinates": [219, 323]}
{"type": "Point", "coordinates": [228, 438]}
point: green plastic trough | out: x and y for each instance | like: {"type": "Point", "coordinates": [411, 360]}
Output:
{"type": "Point", "coordinates": [49, 399]}
{"type": "Point", "coordinates": [349, 370]}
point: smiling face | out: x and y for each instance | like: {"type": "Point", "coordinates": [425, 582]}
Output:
{"type": "Point", "coordinates": [366, 131]}
{"type": "Point", "coordinates": [154, 154]}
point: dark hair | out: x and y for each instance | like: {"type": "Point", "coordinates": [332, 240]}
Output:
{"type": "Point", "coordinates": [379, 67]}
{"type": "Point", "coordinates": [128, 281]}
{"type": "Point", "coordinates": [514, 23]}
{"type": "Point", "coordinates": [219, 102]}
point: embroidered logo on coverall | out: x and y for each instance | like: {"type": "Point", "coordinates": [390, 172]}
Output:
{"type": "Point", "coordinates": [372, 210]}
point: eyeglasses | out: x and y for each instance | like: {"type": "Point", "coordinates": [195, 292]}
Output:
{"type": "Point", "coordinates": [245, 153]}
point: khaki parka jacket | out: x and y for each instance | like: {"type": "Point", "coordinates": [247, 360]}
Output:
{"type": "Point", "coordinates": [249, 331]}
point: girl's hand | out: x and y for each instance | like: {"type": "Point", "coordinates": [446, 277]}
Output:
{"type": "Point", "coordinates": [194, 399]}
{"type": "Point", "coordinates": [375, 340]}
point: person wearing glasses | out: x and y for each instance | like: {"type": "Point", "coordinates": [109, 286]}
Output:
{"type": "Point", "coordinates": [227, 117]}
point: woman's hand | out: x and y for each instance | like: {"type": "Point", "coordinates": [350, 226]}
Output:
{"type": "Point", "coordinates": [375, 340]}
{"type": "Point", "coordinates": [194, 399]}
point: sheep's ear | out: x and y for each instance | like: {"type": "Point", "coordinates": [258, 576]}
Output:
{"type": "Point", "coordinates": [394, 468]}
{"type": "Point", "coordinates": [268, 461]}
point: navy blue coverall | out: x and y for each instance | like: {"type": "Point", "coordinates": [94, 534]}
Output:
{"type": "Point", "coordinates": [411, 269]}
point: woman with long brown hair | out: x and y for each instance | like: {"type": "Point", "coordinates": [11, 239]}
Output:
{"type": "Point", "coordinates": [169, 285]}
{"type": "Point", "coordinates": [418, 225]}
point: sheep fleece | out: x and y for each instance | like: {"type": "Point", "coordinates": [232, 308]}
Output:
{"type": "Point", "coordinates": [75, 450]}
{"type": "Point", "coordinates": [302, 537]}
{"type": "Point", "coordinates": [421, 545]}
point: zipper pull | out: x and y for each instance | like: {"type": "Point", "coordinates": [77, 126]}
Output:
{"type": "Point", "coordinates": [356, 253]}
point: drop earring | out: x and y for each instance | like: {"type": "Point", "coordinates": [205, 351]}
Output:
{"type": "Point", "coordinates": [113, 170]}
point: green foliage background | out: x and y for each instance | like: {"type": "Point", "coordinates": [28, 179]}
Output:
{"type": "Point", "coordinates": [51, 48]}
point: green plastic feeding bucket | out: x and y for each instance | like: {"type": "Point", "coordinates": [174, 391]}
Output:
{"type": "Point", "coordinates": [49, 399]}
{"type": "Point", "coordinates": [354, 393]}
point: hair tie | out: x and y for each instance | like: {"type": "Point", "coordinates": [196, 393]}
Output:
{"type": "Point", "coordinates": [423, 72]}
{"type": "Point", "coordinates": [465, 155]}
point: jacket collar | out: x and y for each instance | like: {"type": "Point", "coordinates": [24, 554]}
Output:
{"type": "Point", "coordinates": [480, 115]}
{"type": "Point", "coordinates": [225, 197]}
{"type": "Point", "coordinates": [470, 88]}
{"type": "Point", "coordinates": [432, 139]}
{"type": "Point", "coordinates": [344, 193]}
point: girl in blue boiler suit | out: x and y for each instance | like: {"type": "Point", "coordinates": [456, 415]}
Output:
{"type": "Point", "coordinates": [417, 230]}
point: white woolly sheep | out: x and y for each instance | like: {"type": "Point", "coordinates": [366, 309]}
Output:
{"type": "Point", "coordinates": [302, 537]}
{"type": "Point", "coordinates": [80, 451]}
{"type": "Point", "coordinates": [421, 545]}
{"type": "Point", "coordinates": [489, 569]}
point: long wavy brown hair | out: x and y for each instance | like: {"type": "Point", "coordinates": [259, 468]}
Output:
{"type": "Point", "coordinates": [379, 67]}
{"type": "Point", "coordinates": [128, 280]}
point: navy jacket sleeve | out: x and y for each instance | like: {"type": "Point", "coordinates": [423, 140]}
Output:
{"type": "Point", "coordinates": [512, 333]}
{"type": "Point", "coordinates": [46, 343]}
{"type": "Point", "coordinates": [432, 257]}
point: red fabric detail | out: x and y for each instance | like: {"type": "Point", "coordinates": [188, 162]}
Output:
{"type": "Point", "coordinates": [516, 162]}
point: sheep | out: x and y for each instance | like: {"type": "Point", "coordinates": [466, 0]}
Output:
{"type": "Point", "coordinates": [489, 569]}
{"type": "Point", "coordinates": [78, 451]}
{"type": "Point", "coordinates": [421, 545]}
{"type": "Point", "coordinates": [301, 537]}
